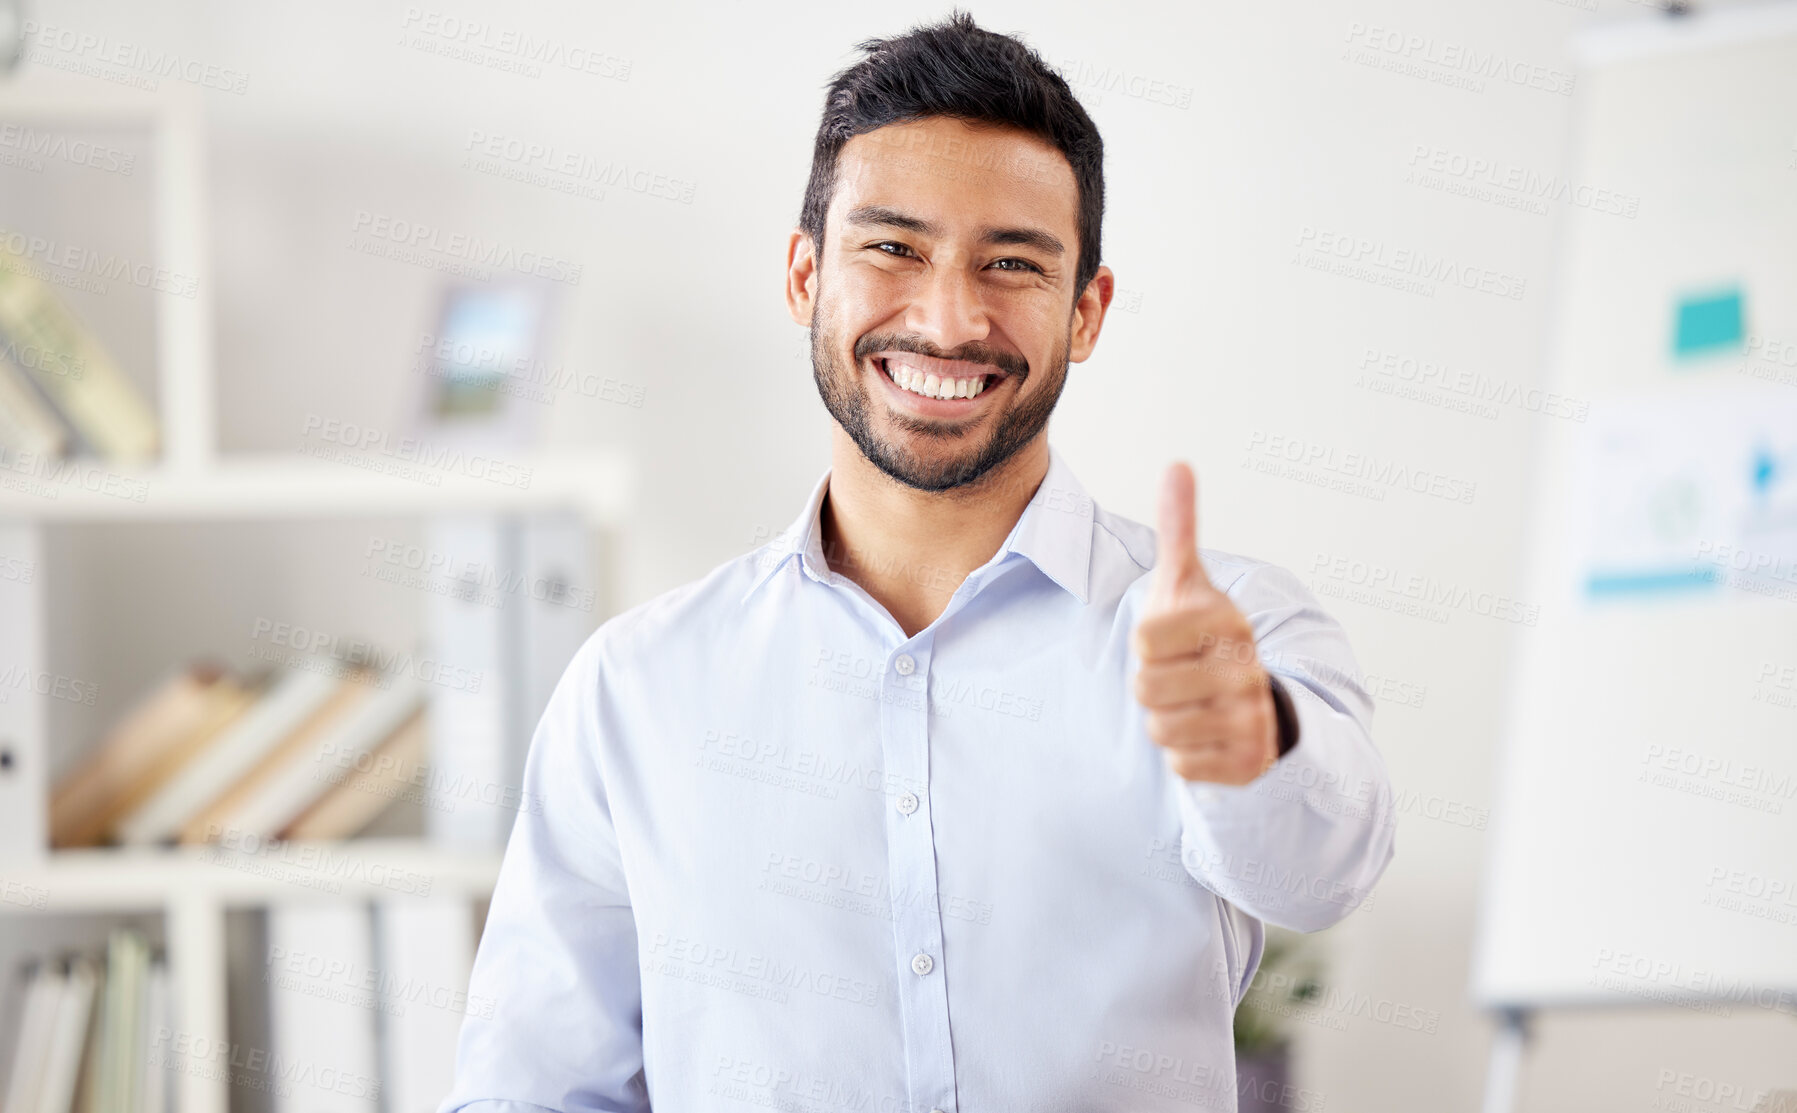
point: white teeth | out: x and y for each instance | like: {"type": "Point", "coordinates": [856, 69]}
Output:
{"type": "Point", "coordinates": [934, 386]}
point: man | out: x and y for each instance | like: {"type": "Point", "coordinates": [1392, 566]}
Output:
{"type": "Point", "coordinates": [942, 800]}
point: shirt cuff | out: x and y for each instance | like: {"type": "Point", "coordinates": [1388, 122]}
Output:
{"type": "Point", "coordinates": [1285, 714]}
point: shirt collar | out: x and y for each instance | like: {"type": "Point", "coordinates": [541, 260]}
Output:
{"type": "Point", "coordinates": [804, 538]}
{"type": "Point", "coordinates": [1054, 533]}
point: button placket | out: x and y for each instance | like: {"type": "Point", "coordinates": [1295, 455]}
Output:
{"type": "Point", "coordinates": [921, 990]}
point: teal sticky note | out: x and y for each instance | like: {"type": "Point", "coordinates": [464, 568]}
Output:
{"type": "Point", "coordinates": [1708, 322]}
{"type": "Point", "coordinates": [1605, 584]}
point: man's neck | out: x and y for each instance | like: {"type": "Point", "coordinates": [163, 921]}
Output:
{"type": "Point", "coordinates": [911, 549]}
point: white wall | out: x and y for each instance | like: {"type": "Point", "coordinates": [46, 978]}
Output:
{"type": "Point", "coordinates": [1231, 337]}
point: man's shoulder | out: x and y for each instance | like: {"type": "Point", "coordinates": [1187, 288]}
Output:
{"type": "Point", "coordinates": [1127, 538]}
{"type": "Point", "coordinates": [1230, 571]}
{"type": "Point", "coordinates": [690, 616]}
{"type": "Point", "coordinates": [1134, 546]}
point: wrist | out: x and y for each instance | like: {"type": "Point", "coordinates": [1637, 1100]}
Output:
{"type": "Point", "coordinates": [1285, 715]}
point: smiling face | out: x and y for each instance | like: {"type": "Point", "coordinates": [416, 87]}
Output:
{"type": "Point", "coordinates": [943, 315]}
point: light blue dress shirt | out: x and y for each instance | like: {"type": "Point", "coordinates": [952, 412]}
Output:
{"type": "Point", "coordinates": [789, 858]}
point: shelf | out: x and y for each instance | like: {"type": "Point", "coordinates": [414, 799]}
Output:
{"type": "Point", "coordinates": [151, 878]}
{"type": "Point", "coordinates": [280, 486]}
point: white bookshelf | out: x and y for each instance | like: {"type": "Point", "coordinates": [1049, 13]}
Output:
{"type": "Point", "coordinates": [150, 879]}
{"type": "Point", "coordinates": [193, 888]}
{"type": "Point", "coordinates": [246, 487]}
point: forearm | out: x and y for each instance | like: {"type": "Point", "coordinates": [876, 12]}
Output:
{"type": "Point", "coordinates": [1304, 844]}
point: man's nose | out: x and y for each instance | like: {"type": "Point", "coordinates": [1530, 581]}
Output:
{"type": "Point", "coordinates": [948, 308]}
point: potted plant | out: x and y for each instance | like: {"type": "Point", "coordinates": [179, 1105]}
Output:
{"type": "Point", "coordinates": [1283, 987]}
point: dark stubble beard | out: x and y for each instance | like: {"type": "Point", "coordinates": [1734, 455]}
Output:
{"type": "Point", "coordinates": [845, 395]}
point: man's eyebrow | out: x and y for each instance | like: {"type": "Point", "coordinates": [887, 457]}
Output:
{"type": "Point", "coordinates": [880, 214]}
{"type": "Point", "coordinates": [1022, 237]}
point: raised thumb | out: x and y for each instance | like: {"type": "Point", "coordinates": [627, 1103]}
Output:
{"type": "Point", "coordinates": [1177, 570]}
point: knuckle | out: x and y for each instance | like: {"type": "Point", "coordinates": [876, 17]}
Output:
{"type": "Point", "coordinates": [1148, 688]}
{"type": "Point", "coordinates": [1154, 638]}
{"type": "Point", "coordinates": [1142, 642]}
{"type": "Point", "coordinates": [1205, 611]}
{"type": "Point", "coordinates": [1257, 721]}
{"type": "Point", "coordinates": [1247, 765]}
{"type": "Point", "coordinates": [1250, 722]}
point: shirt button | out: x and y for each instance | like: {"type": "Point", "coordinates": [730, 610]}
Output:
{"type": "Point", "coordinates": [923, 964]}
{"type": "Point", "coordinates": [905, 664]}
{"type": "Point", "coordinates": [907, 803]}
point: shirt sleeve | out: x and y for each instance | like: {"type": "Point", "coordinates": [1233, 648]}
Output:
{"type": "Point", "coordinates": [557, 962]}
{"type": "Point", "coordinates": [1304, 844]}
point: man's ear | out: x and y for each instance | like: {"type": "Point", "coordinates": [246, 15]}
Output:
{"type": "Point", "coordinates": [801, 277]}
{"type": "Point", "coordinates": [1088, 314]}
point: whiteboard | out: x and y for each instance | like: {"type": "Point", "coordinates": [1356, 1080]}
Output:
{"type": "Point", "coordinates": [1644, 841]}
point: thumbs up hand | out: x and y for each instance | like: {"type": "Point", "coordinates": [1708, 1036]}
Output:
{"type": "Point", "coordinates": [1209, 701]}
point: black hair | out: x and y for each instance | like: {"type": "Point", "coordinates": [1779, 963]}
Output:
{"type": "Point", "coordinates": [956, 69]}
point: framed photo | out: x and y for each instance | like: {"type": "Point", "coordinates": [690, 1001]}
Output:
{"type": "Point", "coordinates": [477, 365]}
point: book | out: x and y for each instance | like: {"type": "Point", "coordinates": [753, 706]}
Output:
{"type": "Point", "coordinates": [209, 824]}
{"type": "Point", "coordinates": [294, 699]}
{"type": "Point", "coordinates": [475, 725]}
{"type": "Point", "coordinates": [43, 1000]}
{"type": "Point", "coordinates": [84, 804]}
{"type": "Point", "coordinates": [74, 371]}
{"type": "Point", "coordinates": [426, 952]}
{"type": "Point", "coordinates": [510, 657]}
{"type": "Point", "coordinates": [233, 703]}
{"type": "Point", "coordinates": [321, 1010]}
{"type": "Point", "coordinates": [62, 1058]}
{"type": "Point", "coordinates": [27, 423]}
{"type": "Point", "coordinates": [155, 1096]}
{"type": "Point", "coordinates": [289, 787]}
{"type": "Point", "coordinates": [86, 1093]}
{"type": "Point", "coordinates": [358, 791]}
{"type": "Point", "coordinates": [122, 1028]}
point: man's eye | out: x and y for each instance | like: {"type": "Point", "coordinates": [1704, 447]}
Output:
{"type": "Point", "coordinates": [1023, 265]}
{"type": "Point", "coordinates": [899, 249]}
